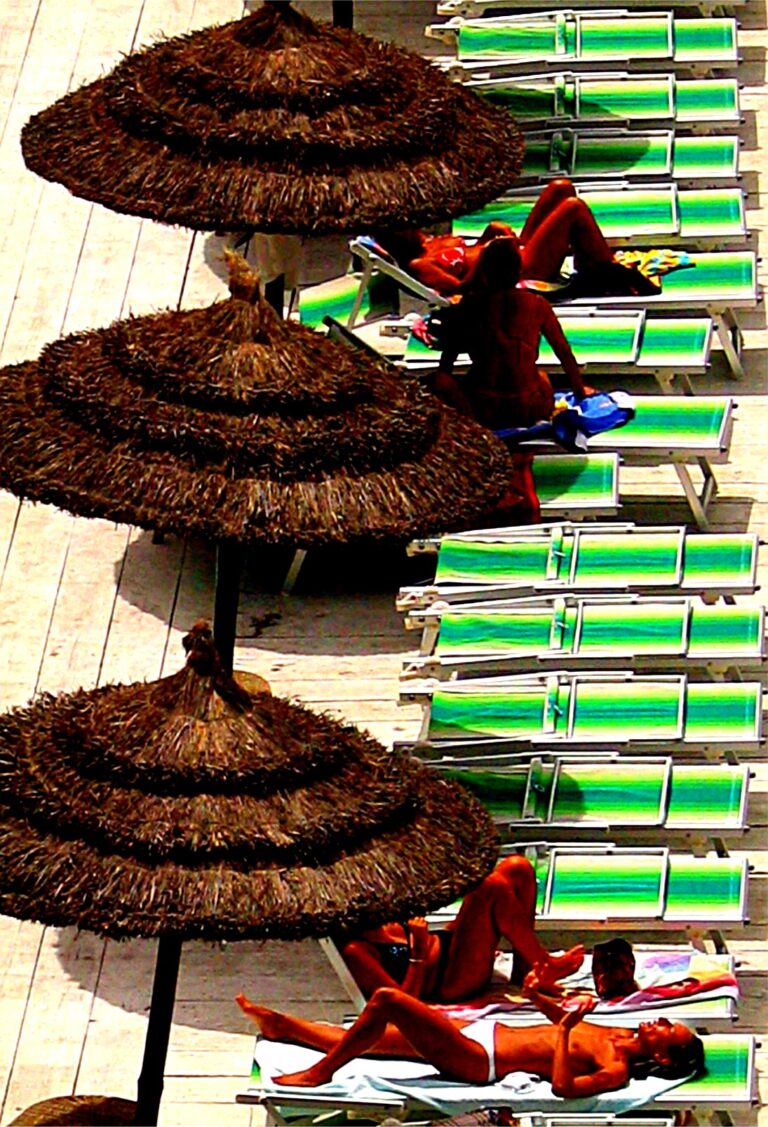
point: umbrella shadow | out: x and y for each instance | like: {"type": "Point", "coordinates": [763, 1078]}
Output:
{"type": "Point", "coordinates": [344, 601]}
{"type": "Point", "coordinates": [211, 974]}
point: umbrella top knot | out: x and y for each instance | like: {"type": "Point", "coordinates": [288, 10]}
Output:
{"type": "Point", "coordinates": [243, 282]}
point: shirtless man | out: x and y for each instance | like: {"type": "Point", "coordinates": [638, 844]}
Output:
{"type": "Point", "coordinates": [579, 1059]}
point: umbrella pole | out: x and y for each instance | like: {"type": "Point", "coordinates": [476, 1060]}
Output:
{"type": "Point", "coordinates": [150, 1087]}
{"type": "Point", "coordinates": [342, 13]}
{"type": "Point", "coordinates": [229, 566]}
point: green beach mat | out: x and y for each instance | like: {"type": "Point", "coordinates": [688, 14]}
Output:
{"type": "Point", "coordinates": [569, 482]}
{"type": "Point", "coordinates": [660, 154]}
{"type": "Point", "coordinates": [677, 423]}
{"type": "Point", "coordinates": [626, 792]}
{"type": "Point", "coordinates": [569, 36]}
{"type": "Point", "coordinates": [626, 212]}
{"type": "Point", "coordinates": [624, 630]}
{"type": "Point", "coordinates": [579, 557]}
{"type": "Point", "coordinates": [624, 339]}
{"type": "Point", "coordinates": [590, 708]}
{"type": "Point", "coordinates": [630, 98]}
{"type": "Point", "coordinates": [649, 884]}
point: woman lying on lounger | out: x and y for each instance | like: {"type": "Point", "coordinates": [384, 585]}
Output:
{"type": "Point", "coordinates": [457, 962]}
{"type": "Point", "coordinates": [560, 224]}
{"type": "Point", "coordinates": [579, 1059]}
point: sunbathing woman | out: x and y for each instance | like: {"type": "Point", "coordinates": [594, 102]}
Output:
{"type": "Point", "coordinates": [559, 224]}
{"type": "Point", "coordinates": [579, 1059]}
{"type": "Point", "coordinates": [457, 963]}
{"type": "Point", "coordinates": [501, 327]}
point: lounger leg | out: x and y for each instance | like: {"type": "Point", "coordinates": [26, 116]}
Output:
{"type": "Point", "coordinates": [697, 504]}
{"type": "Point", "coordinates": [333, 955]}
{"type": "Point", "coordinates": [365, 280]}
{"type": "Point", "coordinates": [730, 338]}
{"type": "Point", "coordinates": [293, 571]}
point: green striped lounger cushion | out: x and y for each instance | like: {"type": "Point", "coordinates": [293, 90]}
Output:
{"type": "Point", "coordinates": [594, 631]}
{"type": "Point", "coordinates": [461, 561]}
{"type": "Point", "coordinates": [712, 211]}
{"type": "Point", "coordinates": [625, 212]}
{"type": "Point", "coordinates": [714, 278]}
{"type": "Point", "coordinates": [701, 157]}
{"type": "Point", "coordinates": [626, 37]}
{"type": "Point", "coordinates": [514, 714]}
{"type": "Point", "coordinates": [569, 482]}
{"type": "Point", "coordinates": [706, 40]}
{"type": "Point", "coordinates": [644, 559]}
{"type": "Point", "coordinates": [730, 1075]}
{"type": "Point", "coordinates": [597, 885]}
{"type": "Point", "coordinates": [724, 712]}
{"type": "Point", "coordinates": [711, 795]}
{"type": "Point", "coordinates": [619, 98]}
{"type": "Point", "coordinates": [616, 711]}
{"type": "Point", "coordinates": [733, 632]}
{"type": "Point", "coordinates": [711, 888]}
{"type": "Point", "coordinates": [535, 38]}
{"type": "Point", "coordinates": [719, 560]}
{"type": "Point", "coordinates": [675, 423]}
{"type": "Point", "coordinates": [334, 298]}
{"type": "Point", "coordinates": [675, 342]}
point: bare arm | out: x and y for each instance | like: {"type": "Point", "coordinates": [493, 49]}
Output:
{"type": "Point", "coordinates": [550, 327]}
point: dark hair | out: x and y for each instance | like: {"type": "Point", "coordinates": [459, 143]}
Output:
{"type": "Point", "coordinates": [500, 264]}
{"type": "Point", "coordinates": [403, 245]}
{"type": "Point", "coordinates": [685, 1062]}
{"type": "Point", "coordinates": [611, 948]}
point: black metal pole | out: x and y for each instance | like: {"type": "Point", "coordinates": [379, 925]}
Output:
{"type": "Point", "coordinates": [274, 294]}
{"type": "Point", "coordinates": [343, 13]}
{"type": "Point", "coordinates": [229, 568]}
{"type": "Point", "coordinates": [150, 1088]}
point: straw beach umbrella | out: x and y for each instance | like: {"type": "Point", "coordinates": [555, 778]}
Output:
{"type": "Point", "coordinates": [229, 423]}
{"type": "Point", "coordinates": [189, 808]}
{"type": "Point", "coordinates": [279, 124]}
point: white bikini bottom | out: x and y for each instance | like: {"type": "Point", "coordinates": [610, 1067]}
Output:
{"type": "Point", "coordinates": [484, 1033]}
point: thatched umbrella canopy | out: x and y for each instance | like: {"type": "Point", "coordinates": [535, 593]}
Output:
{"type": "Point", "coordinates": [281, 124]}
{"type": "Point", "coordinates": [190, 808]}
{"type": "Point", "coordinates": [232, 424]}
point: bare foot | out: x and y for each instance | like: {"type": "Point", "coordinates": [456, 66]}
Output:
{"type": "Point", "coordinates": [269, 1023]}
{"type": "Point", "coordinates": [309, 1078]}
{"type": "Point", "coordinates": [554, 967]}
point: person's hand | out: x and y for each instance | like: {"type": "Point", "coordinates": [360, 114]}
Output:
{"type": "Point", "coordinates": [573, 1016]}
{"type": "Point", "coordinates": [419, 938]}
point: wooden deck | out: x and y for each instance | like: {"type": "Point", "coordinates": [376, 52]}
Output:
{"type": "Point", "coordinates": [86, 602]}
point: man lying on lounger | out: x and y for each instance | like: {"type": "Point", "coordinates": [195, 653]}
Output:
{"type": "Point", "coordinates": [579, 1059]}
{"type": "Point", "coordinates": [560, 224]}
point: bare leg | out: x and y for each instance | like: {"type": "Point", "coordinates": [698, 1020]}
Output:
{"type": "Point", "coordinates": [433, 1037]}
{"type": "Point", "coordinates": [502, 906]}
{"type": "Point", "coordinates": [551, 197]}
{"type": "Point", "coordinates": [570, 228]}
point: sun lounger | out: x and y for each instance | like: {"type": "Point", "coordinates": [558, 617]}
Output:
{"type": "Point", "coordinates": [609, 343]}
{"type": "Point", "coordinates": [557, 794]}
{"type": "Point", "coordinates": [577, 485]}
{"type": "Point", "coordinates": [612, 153]}
{"type": "Point", "coordinates": [555, 559]}
{"type": "Point", "coordinates": [520, 562]}
{"type": "Point", "coordinates": [614, 98]}
{"type": "Point", "coordinates": [471, 9]}
{"type": "Point", "coordinates": [566, 710]}
{"type": "Point", "coordinates": [675, 430]}
{"type": "Point", "coordinates": [628, 213]}
{"type": "Point", "coordinates": [590, 39]}
{"type": "Point", "coordinates": [716, 282]}
{"type": "Point", "coordinates": [370, 1091]}
{"type": "Point", "coordinates": [587, 632]}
